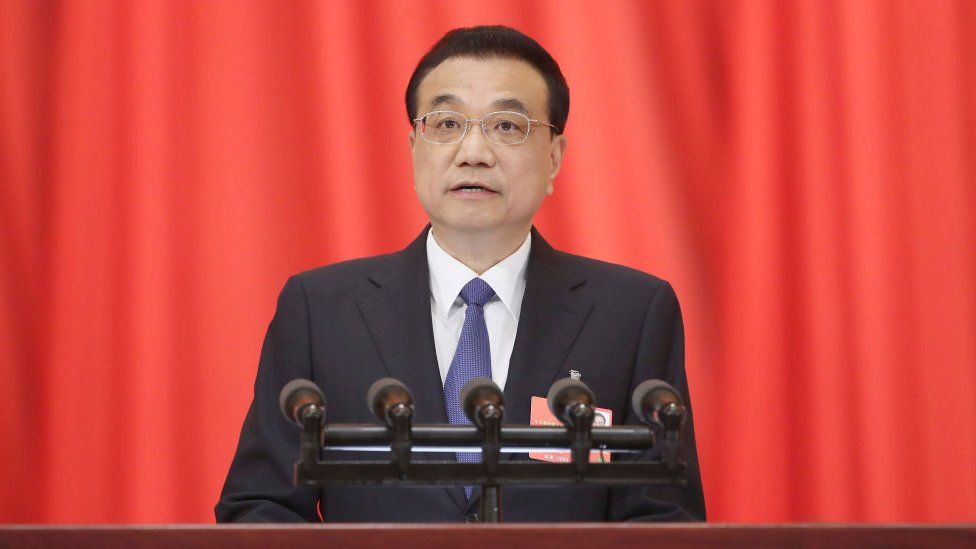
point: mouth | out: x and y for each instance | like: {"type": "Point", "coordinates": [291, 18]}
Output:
{"type": "Point", "coordinates": [472, 187]}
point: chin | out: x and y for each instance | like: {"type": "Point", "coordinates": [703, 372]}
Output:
{"type": "Point", "coordinates": [470, 226]}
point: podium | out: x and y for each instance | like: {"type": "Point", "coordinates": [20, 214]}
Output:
{"type": "Point", "coordinates": [505, 536]}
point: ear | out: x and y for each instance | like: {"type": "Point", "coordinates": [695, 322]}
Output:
{"type": "Point", "coordinates": [412, 136]}
{"type": "Point", "coordinates": [556, 149]}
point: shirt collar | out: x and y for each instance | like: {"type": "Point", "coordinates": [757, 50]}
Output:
{"type": "Point", "coordinates": [448, 276]}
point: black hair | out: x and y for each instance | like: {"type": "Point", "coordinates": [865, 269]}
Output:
{"type": "Point", "coordinates": [495, 41]}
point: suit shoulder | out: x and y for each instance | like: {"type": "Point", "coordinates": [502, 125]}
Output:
{"type": "Point", "coordinates": [606, 273]}
{"type": "Point", "coordinates": [342, 274]}
{"type": "Point", "coordinates": [618, 288]}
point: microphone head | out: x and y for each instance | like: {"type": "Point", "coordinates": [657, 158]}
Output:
{"type": "Point", "coordinates": [477, 393]}
{"type": "Point", "coordinates": [654, 398]}
{"type": "Point", "coordinates": [295, 395]}
{"type": "Point", "coordinates": [567, 393]}
{"type": "Point", "coordinates": [386, 393]}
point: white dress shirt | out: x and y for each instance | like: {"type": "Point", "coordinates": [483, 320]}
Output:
{"type": "Point", "coordinates": [447, 309]}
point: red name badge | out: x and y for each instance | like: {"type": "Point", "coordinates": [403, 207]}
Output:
{"type": "Point", "coordinates": [540, 415]}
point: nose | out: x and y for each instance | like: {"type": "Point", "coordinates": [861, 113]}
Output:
{"type": "Point", "coordinates": [474, 149]}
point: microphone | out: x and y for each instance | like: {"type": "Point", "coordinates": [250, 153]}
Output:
{"type": "Point", "coordinates": [387, 398]}
{"type": "Point", "coordinates": [657, 403]}
{"type": "Point", "coordinates": [570, 400]}
{"type": "Point", "coordinates": [481, 398]}
{"type": "Point", "coordinates": [295, 398]}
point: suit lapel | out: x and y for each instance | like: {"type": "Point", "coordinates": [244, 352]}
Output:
{"type": "Point", "coordinates": [398, 317]}
{"type": "Point", "coordinates": [553, 312]}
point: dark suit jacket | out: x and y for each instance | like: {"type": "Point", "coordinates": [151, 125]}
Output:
{"type": "Point", "coordinates": [346, 325]}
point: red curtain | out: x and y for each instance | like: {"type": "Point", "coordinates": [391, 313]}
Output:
{"type": "Point", "coordinates": [802, 172]}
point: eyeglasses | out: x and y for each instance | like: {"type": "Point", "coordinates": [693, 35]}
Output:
{"type": "Point", "coordinates": [501, 128]}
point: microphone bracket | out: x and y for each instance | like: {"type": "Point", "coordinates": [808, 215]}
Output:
{"type": "Point", "coordinates": [491, 421]}
{"type": "Point", "coordinates": [313, 435]}
{"type": "Point", "coordinates": [582, 428]}
{"type": "Point", "coordinates": [671, 418]}
{"type": "Point", "coordinates": [494, 440]}
{"type": "Point", "coordinates": [401, 417]}
{"type": "Point", "coordinates": [491, 416]}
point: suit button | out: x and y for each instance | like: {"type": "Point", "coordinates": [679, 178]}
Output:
{"type": "Point", "coordinates": [471, 517]}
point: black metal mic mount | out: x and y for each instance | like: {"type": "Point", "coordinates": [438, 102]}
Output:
{"type": "Point", "coordinates": [492, 440]}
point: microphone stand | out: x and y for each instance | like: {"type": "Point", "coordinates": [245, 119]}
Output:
{"type": "Point", "coordinates": [582, 428]}
{"type": "Point", "coordinates": [404, 437]}
{"type": "Point", "coordinates": [402, 445]}
{"type": "Point", "coordinates": [491, 502]}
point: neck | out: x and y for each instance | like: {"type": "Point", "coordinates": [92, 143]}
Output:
{"type": "Point", "coordinates": [478, 251]}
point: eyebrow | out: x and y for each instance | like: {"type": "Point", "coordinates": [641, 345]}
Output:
{"type": "Point", "coordinates": [507, 103]}
{"type": "Point", "coordinates": [448, 98]}
{"type": "Point", "coordinates": [512, 104]}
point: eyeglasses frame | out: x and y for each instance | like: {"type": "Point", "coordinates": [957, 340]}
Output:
{"type": "Point", "coordinates": [484, 127]}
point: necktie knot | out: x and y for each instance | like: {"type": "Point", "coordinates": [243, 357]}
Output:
{"type": "Point", "coordinates": [476, 292]}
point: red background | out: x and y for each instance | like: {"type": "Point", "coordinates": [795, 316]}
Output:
{"type": "Point", "coordinates": [802, 172]}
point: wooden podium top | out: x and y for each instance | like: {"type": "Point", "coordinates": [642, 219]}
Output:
{"type": "Point", "coordinates": [534, 536]}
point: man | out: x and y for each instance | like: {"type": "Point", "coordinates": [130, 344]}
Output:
{"type": "Point", "coordinates": [488, 107]}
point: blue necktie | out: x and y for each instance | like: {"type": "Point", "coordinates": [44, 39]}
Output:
{"type": "Point", "coordinates": [472, 358]}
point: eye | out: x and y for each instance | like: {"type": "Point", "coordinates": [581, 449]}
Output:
{"type": "Point", "coordinates": [508, 126]}
{"type": "Point", "coordinates": [448, 123]}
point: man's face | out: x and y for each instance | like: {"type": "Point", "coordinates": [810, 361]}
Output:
{"type": "Point", "coordinates": [513, 179]}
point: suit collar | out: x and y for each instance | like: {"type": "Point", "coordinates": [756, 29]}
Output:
{"type": "Point", "coordinates": [554, 309]}
{"type": "Point", "coordinates": [448, 275]}
{"type": "Point", "coordinates": [398, 316]}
